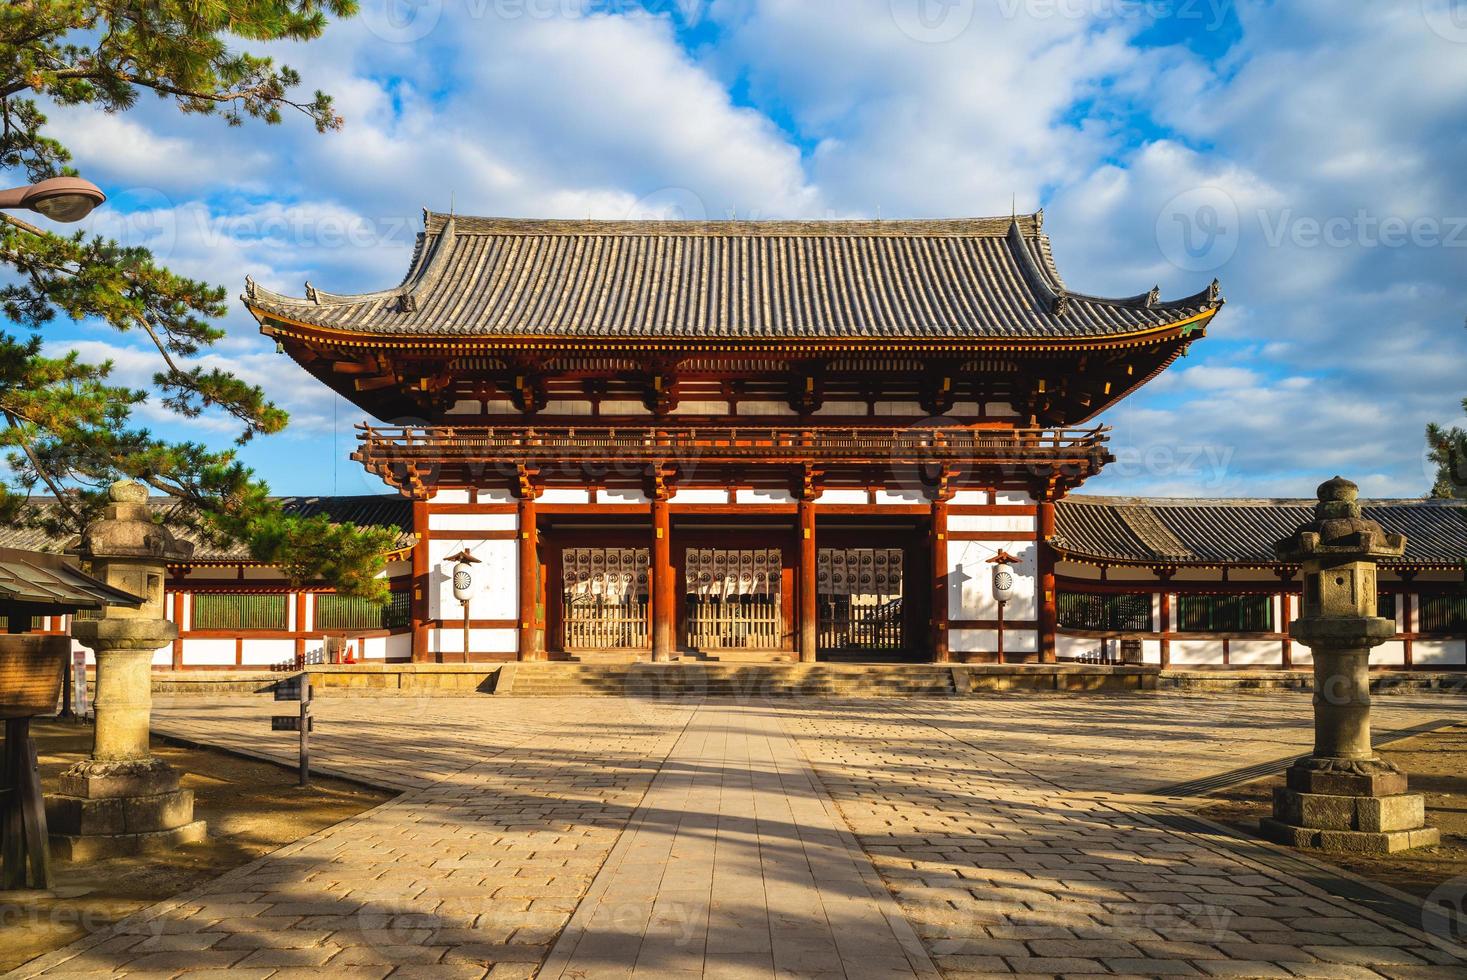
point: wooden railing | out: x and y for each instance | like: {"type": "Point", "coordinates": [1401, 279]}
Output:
{"type": "Point", "coordinates": [444, 443]}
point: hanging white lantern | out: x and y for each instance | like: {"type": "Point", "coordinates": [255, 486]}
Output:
{"type": "Point", "coordinates": [463, 578]}
{"type": "Point", "coordinates": [1003, 575]}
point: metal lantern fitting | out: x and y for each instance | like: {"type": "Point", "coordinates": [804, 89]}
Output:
{"type": "Point", "coordinates": [463, 577]}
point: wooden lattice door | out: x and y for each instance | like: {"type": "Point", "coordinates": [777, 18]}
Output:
{"type": "Point", "coordinates": [859, 598]}
{"type": "Point", "coordinates": [734, 599]}
{"type": "Point", "coordinates": [605, 599]}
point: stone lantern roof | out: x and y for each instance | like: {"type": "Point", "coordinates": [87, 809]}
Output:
{"type": "Point", "coordinates": [1339, 530]}
{"type": "Point", "coordinates": [127, 529]}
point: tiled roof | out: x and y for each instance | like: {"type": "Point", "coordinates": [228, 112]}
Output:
{"type": "Point", "coordinates": [365, 511]}
{"type": "Point", "coordinates": [1134, 529]}
{"type": "Point", "coordinates": [981, 278]}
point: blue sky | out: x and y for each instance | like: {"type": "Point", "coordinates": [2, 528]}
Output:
{"type": "Point", "coordinates": [1307, 153]}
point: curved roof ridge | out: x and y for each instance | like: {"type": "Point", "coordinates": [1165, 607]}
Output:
{"type": "Point", "coordinates": [979, 226]}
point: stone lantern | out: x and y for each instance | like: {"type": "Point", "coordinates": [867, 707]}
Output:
{"type": "Point", "coordinates": [123, 800]}
{"type": "Point", "coordinates": [1344, 797]}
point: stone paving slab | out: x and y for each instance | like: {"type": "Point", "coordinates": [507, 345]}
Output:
{"type": "Point", "coordinates": [793, 837]}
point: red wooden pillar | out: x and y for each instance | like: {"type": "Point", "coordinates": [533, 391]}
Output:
{"type": "Point", "coordinates": [1407, 602]}
{"type": "Point", "coordinates": [418, 605]}
{"type": "Point", "coordinates": [662, 585]}
{"type": "Point", "coordinates": [300, 627]}
{"type": "Point", "coordinates": [1165, 577]}
{"type": "Point", "coordinates": [529, 647]}
{"type": "Point", "coordinates": [808, 610]}
{"type": "Point", "coordinates": [940, 650]}
{"type": "Point", "coordinates": [178, 622]}
{"type": "Point", "coordinates": [1048, 601]}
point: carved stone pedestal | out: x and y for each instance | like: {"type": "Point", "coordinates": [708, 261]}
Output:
{"type": "Point", "coordinates": [123, 800]}
{"type": "Point", "coordinates": [1343, 797]}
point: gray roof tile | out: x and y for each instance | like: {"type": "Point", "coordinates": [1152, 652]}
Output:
{"type": "Point", "coordinates": [988, 278]}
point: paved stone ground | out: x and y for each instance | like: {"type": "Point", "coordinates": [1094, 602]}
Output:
{"type": "Point", "coordinates": [729, 839]}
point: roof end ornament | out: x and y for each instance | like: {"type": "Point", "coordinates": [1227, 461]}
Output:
{"type": "Point", "coordinates": [1061, 304]}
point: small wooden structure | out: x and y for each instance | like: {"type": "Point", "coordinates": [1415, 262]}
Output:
{"type": "Point", "coordinates": [32, 669]}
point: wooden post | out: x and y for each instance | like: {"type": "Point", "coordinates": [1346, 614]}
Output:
{"type": "Point", "coordinates": [1166, 618]}
{"type": "Point", "coordinates": [808, 610]}
{"type": "Point", "coordinates": [529, 580]}
{"type": "Point", "coordinates": [418, 604]}
{"type": "Point", "coordinates": [178, 621]}
{"type": "Point", "coordinates": [662, 585]}
{"type": "Point", "coordinates": [23, 836]}
{"type": "Point", "coordinates": [1048, 604]}
{"type": "Point", "coordinates": [940, 652]}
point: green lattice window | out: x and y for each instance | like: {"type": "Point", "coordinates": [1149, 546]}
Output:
{"type": "Point", "coordinates": [1225, 613]}
{"type": "Point", "coordinates": [1120, 611]}
{"type": "Point", "coordinates": [1443, 613]}
{"type": "Point", "coordinates": [344, 612]}
{"type": "Point", "coordinates": [234, 611]}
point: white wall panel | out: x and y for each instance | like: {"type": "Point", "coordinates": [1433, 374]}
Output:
{"type": "Point", "coordinates": [497, 576]}
{"type": "Point", "coordinates": [970, 580]}
{"type": "Point", "coordinates": [450, 497]}
{"type": "Point", "coordinates": [841, 497]}
{"type": "Point", "coordinates": [1011, 498]}
{"type": "Point", "coordinates": [565, 495]}
{"type": "Point", "coordinates": [842, 408]}
{"type": "Point", "coordinates": [263, 653]}
{"type": "Point", "coordinates": [998, 523]}
{"type": "Point", "coordinates": [567, 407]}
{"type": "Point", "coordinates": [198, 652]}
{"type": "Point", "coordinates": [1196, 653]}
{"type": "Point", "coordinates": [758, 496]}
{"type": "Point", "coordinates": [907, 497]}
{"type": "Point", "coordinates": [986, 641]}
{"type": "Point", "coordinates": [1255, 653]}
{"type": "Point", "coordinates": [1443, 652]}
{"type": "Point", "coordinates": [766, 408]}
{"type": "Point", "coordinates": [700, 495]}
{"type": "Point", "coordinates": [472, 522]}
{"type": "Point", "coordinates": [900, 409]}
{"type": "Point", "coordinates": [451, 641]}
{"type": "Point", "coordinates": [971, 498]}
{"type": "Point", "coordinates": [1389, 654]}
{"type": "Point", "coordinates": [701, 408]}
{"type": "Point", "coordinates": [621, 496]}
{"type": "Point", "coordinates": [614, 406]}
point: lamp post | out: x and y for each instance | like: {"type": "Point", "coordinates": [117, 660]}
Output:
{"type": "Point", "coordinates": [1003, 588]}
{"type": "Point", "coordinates": [463, 587]}
{"type": "Point", "coordinates": [64, 199]}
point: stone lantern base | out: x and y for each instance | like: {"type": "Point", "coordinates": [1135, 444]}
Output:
{"type": "Point", "coordinates": [111, 809]}
{"type": "Point", "coordinates": [1339, 805]}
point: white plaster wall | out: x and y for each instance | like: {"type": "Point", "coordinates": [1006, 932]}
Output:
{"type": "Point", "coordinates": [567, 407]}
{"type": "Point", "coordinates": [620, 496]}
{"type": "Point", "coordinates": [451, 497]}
{"type": "Point", "coordinates": [997, 523]}
{"type": "Point", "coordinates": [465, 407]}
{"type": "Point", "coordinates": [1196, 653]}
{"type": "Point", "coordinates": [497, 577]}
{"type": "Point", "coordinates": [970, 580]}
{"type": "Point", "coordinates": [1255, 653]}
{"type": "Point", "coordinates": [565, 495]}
{"type": "Point", "coordinates": [757, 496]}
{"type": "Point", "coordinates": [842, 408]}
{"type": "Point", "coordinates": [472, 522]}
{"type": "Point", "coordinates": [1069, 647]}
{"type": "Point", "coordinates": [203, 652]}
{"type": "Point", "coordinates": [907, 497]}
{"type": "Point", "coordinates": [487, 496]}
{"type": "Point", "coordinates": [701, 408]}
{"type": "Point", "coordinates": [451, 641]}
{"type": "Point", "coordinates": [1011, 498]}
{"type": "Point", "coordinates": [263, 653]}
{"type": "Point", "coordinates": [1389, 654]}
{"type": "Point", "coordinates": [1151, 651]}
{"type": "Point", "coordinates": [986, 641]}
{"type": "Point", "coordinates": [971, 498]}
{"type": "Point", "coordinates": [1439, 652]}
{"type": "Point", "coordinates": [701, 495]}
{"type": "Point", "coordinates": [398, 646]}
{"type": "Point", "coordinates": [500, 407]}
{"type": "Point", "coordinates": [899, 409]}
{"type": "Point", "coordinates": [766, 408]}
{"type": "Point", "coordinates": [841, 497]}
{"type": "Point", "coordinates": [615, 406]}
{"type": "Point", "coordinates": [1000, 410]}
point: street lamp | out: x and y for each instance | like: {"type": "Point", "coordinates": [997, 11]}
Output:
{"type": "Point", "coordinates": [1003, 588]}
{"type": "Point", "coordinates": [58, 198]}
{"type": "Point", "coordinates": [463, 587]}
